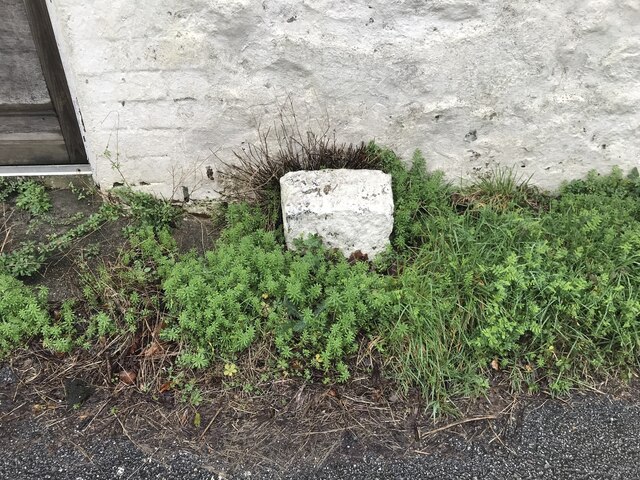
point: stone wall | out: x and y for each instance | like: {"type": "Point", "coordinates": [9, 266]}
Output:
{"type": "Point", "coordinates": [549, 87]}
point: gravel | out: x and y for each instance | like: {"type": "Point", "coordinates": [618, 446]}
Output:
{"type": "Point", "coordinates": [593, 437]}
{"type": "Point", "coordinates": [7, 376]}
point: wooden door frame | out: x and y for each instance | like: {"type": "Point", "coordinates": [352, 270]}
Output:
{"type": "Point", "coordinates": [53, 70]}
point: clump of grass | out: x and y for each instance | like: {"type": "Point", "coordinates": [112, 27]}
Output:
{"type": "Point", "coordinates": [550, 296]}
{"type": "Point", "coordinates": [255, 175]}
{"type": "Point", "coordinates": [501, 189]}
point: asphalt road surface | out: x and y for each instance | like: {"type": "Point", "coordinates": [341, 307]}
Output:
{"type": "Point", "coordinates": [588, 438]}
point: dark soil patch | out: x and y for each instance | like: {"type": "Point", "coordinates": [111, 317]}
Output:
{"type": "Point", "coordinates": [195, 232]}
{"type": "Point", "coordinates": [287, 424]}
{"type": "Point", "coordinates": [60, 272]}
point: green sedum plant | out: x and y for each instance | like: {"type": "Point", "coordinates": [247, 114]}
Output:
{"type": "Point", "coordinates": [418, 196]}
{"type": "Point", "coordinates": [61, 333]}
{"type": "Point", "coordinates": [22, 314]}
{"type": "Point", "coordinates": [312, 304]}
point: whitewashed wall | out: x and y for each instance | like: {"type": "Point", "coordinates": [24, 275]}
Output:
{"type": "Point", "coordinates": [551, 87]}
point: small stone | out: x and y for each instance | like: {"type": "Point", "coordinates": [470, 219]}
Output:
{"type": "Point", "coordinates": [350, 210]}
{"type": "Point", "coordinates": [76, 391]}
{"type": "Point", "coordinates": [7, 376]}
{"type": "Point", "coordinates": [127, 377]}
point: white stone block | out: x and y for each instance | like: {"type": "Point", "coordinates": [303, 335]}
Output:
{"type": "Point", "coordinates": [350, 210]}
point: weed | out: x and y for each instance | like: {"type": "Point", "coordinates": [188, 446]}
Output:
{"type": "Point", "coordinates": [123, 296]}
{"type": "Point", "coordinates": [7, 188]}
{"type": "Point", "coordinates": [23, 261]}
{"type": "Point", "coordinates": [191, 393]}
{"type": "Point", "coordinates": [255, 175]}
{"type": "Point", "coordinates": [230, 369]}
{"type": "Point", "coordinates": [145, 209]}
{"type": "Point", "coordinates": [123, 306]}
{"type": "Point", "coordinates": [33, 198]}
{"type": "Point", "coordinates": [90, 251]}
{"type": "Point", "coordinates": [615, 184]}
{"type": "Point", "coordinates": [81, 192]}
{"type": "Point", "coordinates": [29, 257]}
{"type": "Point", "coordinates": [187, 387]}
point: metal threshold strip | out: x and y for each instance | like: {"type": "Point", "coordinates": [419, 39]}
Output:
{"type": "Point", "coordinates": [44, 170]}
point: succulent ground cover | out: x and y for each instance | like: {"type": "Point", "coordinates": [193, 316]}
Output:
{"type": "Point", "coordinates": [489, 290]}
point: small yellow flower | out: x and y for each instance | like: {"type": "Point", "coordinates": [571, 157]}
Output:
{"type": "Point", "coordinates": [230, 369]}
{"type": "Point", "coordinates": [318, 358]}
{"type": "Point", "coordinates": [265, 296]}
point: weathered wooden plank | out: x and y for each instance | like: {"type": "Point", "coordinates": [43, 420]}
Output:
{"type": "Point", "coordinates": [32, 149]}
{"type": "Point", "coordinates": [27, 109]}
{"type": "Point", "coordinates": [45, 42]}
{"type": "Point", "coordinates": [41, 122]}
{"type": "Point", "coordinates": [21, 78]}
{"type": "Point", "coordinates": [31, 136]}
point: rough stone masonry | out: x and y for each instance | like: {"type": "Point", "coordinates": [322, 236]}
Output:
{"type": "Point", "coordinates": [351, 210]}
{"type": "Point", "coordinates": [548, 87]}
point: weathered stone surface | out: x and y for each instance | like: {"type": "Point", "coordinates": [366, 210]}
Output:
{"type": "Point", "coordinates": [550, 87]}
{"type": "Point", "coordinates": [350, 210]}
